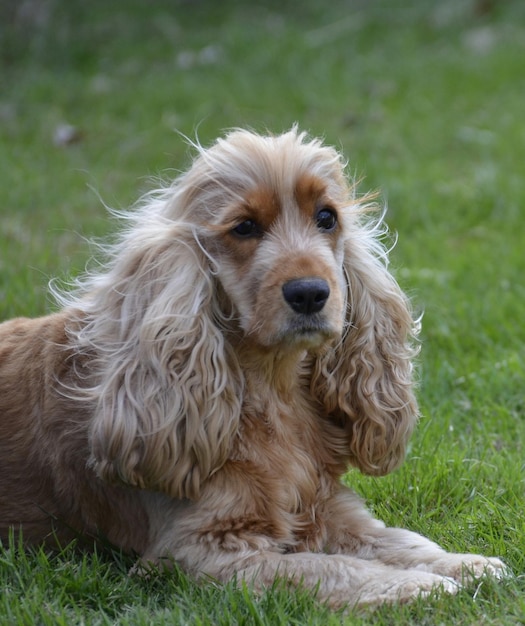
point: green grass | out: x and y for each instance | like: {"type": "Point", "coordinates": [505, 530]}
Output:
{"type": "Point", "coordinates": [426, 100]}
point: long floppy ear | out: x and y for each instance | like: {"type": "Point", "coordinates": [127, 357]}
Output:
{"type": "Point", "coordinates": [169, 389]}
{"type": "Point", "coordinates": [365, 382]}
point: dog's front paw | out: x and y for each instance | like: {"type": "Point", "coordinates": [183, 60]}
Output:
{"type": "Point", "coordinates": [467, 567]}
{"type": "Point", "coordinates": [405, 586]}
{"type": "Point", "coordinates": [496, 568]}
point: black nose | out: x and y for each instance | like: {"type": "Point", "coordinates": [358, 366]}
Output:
{"type": "Point", "coordinates": [306, 295]}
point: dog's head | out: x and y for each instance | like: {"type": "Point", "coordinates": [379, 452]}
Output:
{"type": "Point", "coordinates": [273, 217]}
{"type": "Point", "coordinates": [262, 243]}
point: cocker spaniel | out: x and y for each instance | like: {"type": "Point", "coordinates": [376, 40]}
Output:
{"type": "Point", "coordinates": [197, 399]}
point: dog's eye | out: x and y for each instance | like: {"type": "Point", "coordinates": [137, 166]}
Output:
{"type": "Point", "coordinates": [326, 219]}
{"type": "Point", "coordinates": [248, 228]}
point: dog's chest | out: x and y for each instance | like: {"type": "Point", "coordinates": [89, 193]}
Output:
{"type": "Point", "coordinates": [279, 454]}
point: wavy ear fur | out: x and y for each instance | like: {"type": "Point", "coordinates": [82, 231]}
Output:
{"type": "Point", "coordinates": [168, 388]}
{"type": "Point", "coordinates": [365, 382]}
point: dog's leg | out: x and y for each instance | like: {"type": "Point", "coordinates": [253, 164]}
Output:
{"type": "Point", "coordinates": [403, 548]}
{"type": "Point", "coordinates": [354, 531]}
{"type": "Point", "coordinates": [342, 580]}
{"type": "Point", "coordinates": [338, 579]}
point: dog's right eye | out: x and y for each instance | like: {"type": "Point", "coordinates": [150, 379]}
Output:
{"type": "Point", "coordinates": [326, 219]}
{"type": "Point", "coordinates": [248, 228]}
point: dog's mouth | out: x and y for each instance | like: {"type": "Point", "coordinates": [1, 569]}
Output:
{"type": "Point", "coordinates": [314, 329]}
{"type": "Point", "coordinates": [306, 324]}
{"type": "Point", "coordinates": [299, 332]}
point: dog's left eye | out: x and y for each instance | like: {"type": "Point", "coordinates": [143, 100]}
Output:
{"type": "Point", "coordinates": [326, 219]}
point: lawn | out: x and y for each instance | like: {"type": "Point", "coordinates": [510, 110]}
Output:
{"type": "Point", "coordinates": [426, 100]}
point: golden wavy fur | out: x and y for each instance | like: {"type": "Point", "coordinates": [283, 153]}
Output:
{"type": "Point", "coordinates": [199, 397]}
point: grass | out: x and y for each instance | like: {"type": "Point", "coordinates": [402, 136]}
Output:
{"type": "Point", "coordinates": [426, 100]}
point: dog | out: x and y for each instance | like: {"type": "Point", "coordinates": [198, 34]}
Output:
{"type": "Point", "coordinates": [197, 398]}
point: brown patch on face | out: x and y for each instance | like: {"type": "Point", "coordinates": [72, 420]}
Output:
{"type": "Point", "coordinates": [311, 197]}
{"type": "Point", "coordinates": [304, 267]}
{"type": "Point", "coordinates": [264, 205]}
{"type": "Point", "coordinates": [261, 206]}
{"type": "Point", "coordinates": [310, 193]}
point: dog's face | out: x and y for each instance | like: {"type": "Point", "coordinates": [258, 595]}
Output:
{"type": "Point", "coordinates": [279, 255]}
{"type": "Point", "coordinates": [280, 262]}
